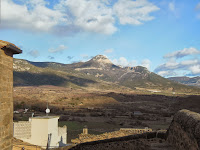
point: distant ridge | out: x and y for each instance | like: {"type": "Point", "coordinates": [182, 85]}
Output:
{"type": "Point", "coordinates": [98, 70]}
{"type": "Point", "coordinates": [192, 81]}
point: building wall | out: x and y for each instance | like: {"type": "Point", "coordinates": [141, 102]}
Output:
{"type": "Point", "coordinates": [22, 130]}
{"type": "Point", "coordinates": [62, 134]}
{"type": "Point", "coordinates": [36, 131]}
{"type": "Point", "coordinates": [39, 127]}
{"type": "Point", "coordinates": [6, 99]}
{"type": "Point", "coordinates": [53, 130]}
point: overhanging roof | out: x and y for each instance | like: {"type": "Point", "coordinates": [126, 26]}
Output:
{"type": "Point", "coordinates": [14, 49]}
{"type": "Point", "coordinates": [9, 46]}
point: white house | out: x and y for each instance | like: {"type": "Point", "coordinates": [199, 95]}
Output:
{"type": "Point", "coordinates": [42, 131]}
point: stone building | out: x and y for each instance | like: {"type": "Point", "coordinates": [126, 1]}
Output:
{"type": "Point", "coordinates": [7, 50]}
{"type": "Point", "coordinates": [41, 131]}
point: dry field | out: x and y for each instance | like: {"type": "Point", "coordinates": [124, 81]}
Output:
{"type": "Point", "coordinates": [101, 111]}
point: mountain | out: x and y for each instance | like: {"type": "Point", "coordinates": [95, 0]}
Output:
{"type": "Point", "coordinates": [99, 72]}
{"type": "Point", "coordinates": [192, 81]}
{"type": "Point", "coordinates": [28, 73]}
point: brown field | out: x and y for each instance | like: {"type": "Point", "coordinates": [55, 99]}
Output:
{"type": "Point", "coordinates": [101, 111]}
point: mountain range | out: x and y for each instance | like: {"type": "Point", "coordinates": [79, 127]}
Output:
{"type": "Point", "coordinates": [192, 81]}
{"type": "Point", "coordinates": [99, 72]}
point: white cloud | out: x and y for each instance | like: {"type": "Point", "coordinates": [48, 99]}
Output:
{"type": "Point", "coordinates": [183, 53]}
{"type": "Point", "coordinates": [172, 64]}
{"type": "Point", "coordinates": [60, 48]}
{"type": "Point", "coordinates": [32, 15]}
{"type": "Point", "coordinates": [198, 6]}
{"type": "Point", "coordinates": [108, 51]}
{"type": "Point", "coordinates": [176, 65]}
{"type": "Point", "coordinates": [69, 16]}
{"type": "Point", "coordinates": [174, 9]}
{"type": "Point", "coordinates": [134, 12]}
{"type": "Point", "coordinates": [166, 73]}
{"type": "Point", "coordinates": [85, 57]}
{"type": "Point", "coordinates": [169, 66]}
{"type": "Point", "coordinates": [146, 63]}
{"type": "Point", "coordinates": [90, 15]}
{"type": "Point", "coordinates": [122, 61]}
{"type": "Point", "coordinates": [189, 62]}
{"type": "Point", "coordinates": [195, 69]}
{"type": "Point", "coordinates": [171, 6]}
{"type": "Point", "coordinates": [34, 53]}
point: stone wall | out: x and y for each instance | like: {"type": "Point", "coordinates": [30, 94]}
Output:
{"type": "Point", "coordinates": [6, 100]}
{"type": "Point", "coordinates": [22, 130]}
{"type": "Point", "coordinates": [184, 131]}
{"type": "Point", "coordinates": [6, 93]}
{"type": "Point", "coordinates": [131, 142]}
{"type": "Point", "coordinates": [108, 135]}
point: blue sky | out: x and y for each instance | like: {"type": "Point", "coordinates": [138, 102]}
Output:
{"type": "Point", "coordinates": [162, 35]}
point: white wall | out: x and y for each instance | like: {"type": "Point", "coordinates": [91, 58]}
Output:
{"type": "Point", "coordinates": [37, 129]}
{"type": "Point", "coordinates": [62, 134]}
{"type": "Point", "coordinates": [53, 130]}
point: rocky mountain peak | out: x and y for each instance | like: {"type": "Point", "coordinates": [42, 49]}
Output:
{"type": "Point", "coordinates": [101, 59]}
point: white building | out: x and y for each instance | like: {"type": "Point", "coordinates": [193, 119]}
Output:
{"type": "Point", "coordinates": [41, 131]}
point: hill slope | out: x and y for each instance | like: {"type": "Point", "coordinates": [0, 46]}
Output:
{"type": "Point", "coordinates": [98, 72]}
{"type": "Point", "coordinates": [28, 73]}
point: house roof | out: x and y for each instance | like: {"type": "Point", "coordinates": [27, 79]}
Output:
{"type": "Point", "coordinates": [10, 46]}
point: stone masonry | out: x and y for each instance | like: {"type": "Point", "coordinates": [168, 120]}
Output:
{"type": "Point", "coordinates": [6, 93]}
{"type": "Point", "coordinates": [184, 131]}
{"type": "Point", "coordinates": [108, 135]}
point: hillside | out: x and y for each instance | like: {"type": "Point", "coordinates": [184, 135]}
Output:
{"type": "Point", "coordinates": [99, 72]}
{"type": "Point", "coordinates": [192, 81]}
{"type": "Point", "coordinates": [28, 73]}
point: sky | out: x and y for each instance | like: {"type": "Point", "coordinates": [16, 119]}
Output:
{"type": "Point", "coordinates": [162, 35]}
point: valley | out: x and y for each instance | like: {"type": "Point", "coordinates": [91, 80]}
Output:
{"type": "Point", "coordinates": [100, 95]}
{"type": "Point", "coordinates": [102, 111]}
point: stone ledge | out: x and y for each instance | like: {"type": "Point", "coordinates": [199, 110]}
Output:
{"type": "Point", "coordinates": [148, 135]}
{"type": "Point", "coordinates": [9, 46]}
